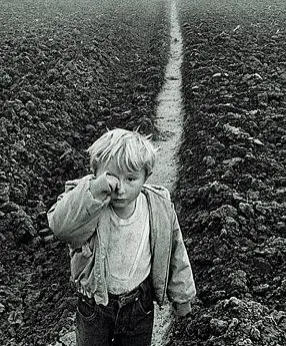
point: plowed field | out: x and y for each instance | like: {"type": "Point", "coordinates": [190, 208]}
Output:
{"type": "Point", "coordinates": [232, 182]}
{"type": "Point", "coordinates": [69, 70]}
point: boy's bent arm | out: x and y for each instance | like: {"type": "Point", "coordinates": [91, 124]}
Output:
{"type": "Point", "coordinates": [81, 203]}
{"type": "Point", "coordinates": [181, 286]}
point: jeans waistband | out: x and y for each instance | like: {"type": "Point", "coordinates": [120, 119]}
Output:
{"type": "Point", "coordinates": [124, 298]}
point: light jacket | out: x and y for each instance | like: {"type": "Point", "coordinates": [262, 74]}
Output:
{"type": "Point", "coordinates": [83, 221]}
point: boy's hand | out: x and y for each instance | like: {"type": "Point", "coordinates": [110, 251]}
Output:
{"type": "Point", "coordinates": [100, 190]}
{"type": "Point", "coordinates": [112, 182]}
{"type": "Point", "coordinates": [186, 318]}
{"type": "Point", "coordinates": [181, 314]}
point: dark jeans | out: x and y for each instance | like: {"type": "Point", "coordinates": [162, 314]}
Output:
{"type": "Point", "coordinates": [127, 321]}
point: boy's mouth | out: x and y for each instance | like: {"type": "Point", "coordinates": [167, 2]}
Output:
{"type": "Point", "coordinates": [118, 200]}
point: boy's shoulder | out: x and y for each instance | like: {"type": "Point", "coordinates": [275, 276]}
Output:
{"type": "Point", "coordinates": [160, 191]}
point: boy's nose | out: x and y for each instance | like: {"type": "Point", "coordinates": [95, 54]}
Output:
{"type": "Point", "coordinates": [120, 188]}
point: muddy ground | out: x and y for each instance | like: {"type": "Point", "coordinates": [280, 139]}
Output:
{"type": "Point", "coordinates": [69, 69]}
{"type": "Point", "coordinates": [231, 187]}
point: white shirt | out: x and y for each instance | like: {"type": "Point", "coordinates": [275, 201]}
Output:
{"type": "Point", "coordinates": [128, 253]}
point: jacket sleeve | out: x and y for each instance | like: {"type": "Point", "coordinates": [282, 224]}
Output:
{"type": "Point", "coordinates": [181, 286]}
{"type": "Point", "coordinates": [76, 208]}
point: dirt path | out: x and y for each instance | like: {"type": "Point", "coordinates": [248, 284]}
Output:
{"type": "Point", "coordinates": [169, 111]}
{"type": "Point", "coordinates": [170, 119]}
{"type": "Point", "coordinates": [169, 115]}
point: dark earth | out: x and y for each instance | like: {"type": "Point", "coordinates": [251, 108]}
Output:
{"type": "Point", "coordinates": [70, 70]}
{"type": "Point", "coordinates": [231, 186]}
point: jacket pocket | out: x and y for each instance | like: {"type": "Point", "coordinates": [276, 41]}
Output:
{"type": "Point", "coordinates": [80, 263]}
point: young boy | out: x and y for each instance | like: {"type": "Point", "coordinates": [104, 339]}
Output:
{"type": "Point", "coordinates": [125, 244]}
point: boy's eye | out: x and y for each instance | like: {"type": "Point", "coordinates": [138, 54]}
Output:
{"type": "Point", "coordinates": [131, 178]}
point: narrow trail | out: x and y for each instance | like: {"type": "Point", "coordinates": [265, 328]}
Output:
{"type": "Point", "coordinates": [169, 122]}
{"type": "Point", "coordinates": [170, 110]}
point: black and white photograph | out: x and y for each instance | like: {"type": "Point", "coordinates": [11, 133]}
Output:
{"type": "Point", "coordinates": [142, 172]}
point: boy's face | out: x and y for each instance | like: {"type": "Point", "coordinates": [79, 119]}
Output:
{"type": "Point", "coordinates": [123, 199]}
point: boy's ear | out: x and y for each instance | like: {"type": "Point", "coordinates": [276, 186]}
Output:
{"type": "Point", "coordinates": [93, 171]}
{"type": "Point", "coordinates": [93, 168]}
{"type": "Point", "coordinates": [148, 175]}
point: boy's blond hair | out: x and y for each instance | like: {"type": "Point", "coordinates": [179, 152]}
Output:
{"type": "Point", "coordinates": [130, 149]}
